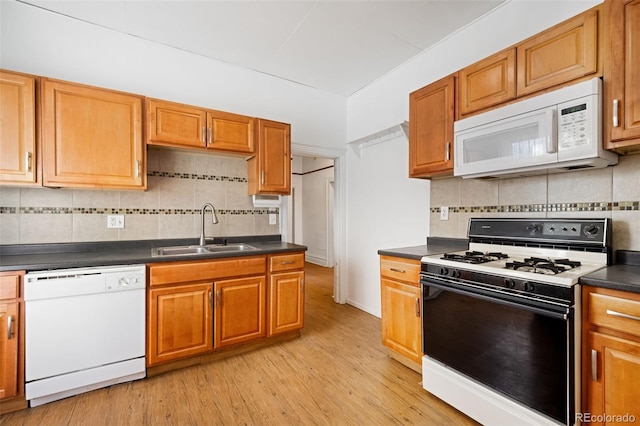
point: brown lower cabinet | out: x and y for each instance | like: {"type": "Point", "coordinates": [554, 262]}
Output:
{"type": "Point", "coordinates": [11, 342]}
{"type": "Point", "coordinates": [401, 315]}
{"type": "Point", "coordinates": [286, 293]}
{"type": "Point", "coordinates": [197, 307]}
{"type": "Point", "coordinates": [239, 310]}
{"type": "Point", "coordinates": [611, 356]}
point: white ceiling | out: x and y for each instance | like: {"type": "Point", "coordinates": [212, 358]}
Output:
{"type": "Point", "coordinates": [337, 46]}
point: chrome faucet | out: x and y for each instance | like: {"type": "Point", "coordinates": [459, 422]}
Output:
{"type": "Point", "coordinates": [215, 220]}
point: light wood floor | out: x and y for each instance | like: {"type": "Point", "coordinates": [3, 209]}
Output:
{"type": "Point", "coordinates": [336, 373]}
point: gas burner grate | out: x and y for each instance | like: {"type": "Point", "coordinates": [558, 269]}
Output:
{"type": "Point", "coordinates": [475, 257]}
{"type": "Point", "coordinates": [543, 266]}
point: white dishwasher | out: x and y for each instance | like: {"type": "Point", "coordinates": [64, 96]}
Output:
{"type": "Point", "coordinates": [84, 330]}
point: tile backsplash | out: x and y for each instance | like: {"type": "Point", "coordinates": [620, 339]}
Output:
{"type": "Point", "coordinates": [179, 183]}
{"type": "Point", "coordinates": [612, 192]}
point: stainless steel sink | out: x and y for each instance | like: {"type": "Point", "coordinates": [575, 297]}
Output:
{"type": "Point", "coordinates": [193, 250]}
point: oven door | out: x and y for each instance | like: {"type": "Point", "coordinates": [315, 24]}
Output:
{"type": "Point", "coordinates": [522, 349]}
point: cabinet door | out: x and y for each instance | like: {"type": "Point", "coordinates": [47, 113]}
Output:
{"type": "Point", "coordinates": [431, 116]}
{"type": "Point", "coordinates": [18, 130]}
{"type": "Point", "coordinates": [175, 124]}
{"type": "Point", "coordinates": [401, 325]}
{"type": "Point", "coordinates": [612, 378]}
{"type": "Point", "coordinates": [563, 53]}
{"type": "Point", "coordinates": [269, 172]}
{"type": "Point", "coordinates": [179, 322]}
{"type": "Point", "coordinates": [286, 302]}
{"type": "Point", "coordinates": [91, 137]}
{"type": "Point", "coordinates": [239, 311]}
{"type": "Point", "coordinates": [9, 322]}
{"type": "Point", "coordinates": [230, 132]}
{"type": "Point", "coordinates": [622, 76]}
{"type": "Point", "coordinates": [487, 83]}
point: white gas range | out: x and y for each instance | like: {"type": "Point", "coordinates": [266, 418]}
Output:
{"type": "Point", "coordinates": [501, 319]}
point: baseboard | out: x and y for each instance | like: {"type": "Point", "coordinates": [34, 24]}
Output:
{"type": "Point", "coordinates": [316, 260]}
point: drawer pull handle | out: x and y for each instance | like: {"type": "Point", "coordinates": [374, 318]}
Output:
{"type": "Point", "coordinates": [402, 271]}
{"type": "Point", "coordinates": [218, 298]}
{"type": "Point", "coordinates": [615, 120]}
{"type": "Point", "coordinates": [27, 161]}
{"type": "Point", "coordinates": [594, 365]}
{"type": "Point", "coordinates": [621, 315]}
{"type": "Point", "coordinates": [288, 262]}
{"type": "Point", "coordinates": [417, 307]}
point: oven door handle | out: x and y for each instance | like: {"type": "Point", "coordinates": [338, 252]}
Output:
{"type": "Point", "coordinates": [493, 297]}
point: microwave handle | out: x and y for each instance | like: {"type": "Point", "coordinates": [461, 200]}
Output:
{"type": "Point", "coordinates": [552, 123]}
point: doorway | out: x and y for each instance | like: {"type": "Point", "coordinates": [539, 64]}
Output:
{"type": "Point", "coordinates": [313, 215]}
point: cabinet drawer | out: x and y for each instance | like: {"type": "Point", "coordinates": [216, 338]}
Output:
{"type": "Point", "coordinates": [615, 312]}
{"type": "Point", "coordinates": [9, 286]}
{"type": "Point", "coordinates": [179, 272]}
{"type": "Point", "coordinates": [286, 262]}
{"type": "Point", "coordinates": [400, 269]}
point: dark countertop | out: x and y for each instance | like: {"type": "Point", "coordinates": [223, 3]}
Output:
{"type": "Point", "coordinates": [434, 246]}
{"type": "Point", "coordinates": [624, 275]}
{"type": "Point", "coordinates": [35, 257]}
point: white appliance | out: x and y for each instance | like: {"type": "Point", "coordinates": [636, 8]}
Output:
{"type": "Point", "coordinates": [84, 330]}
{"type": "Point", "coordinates": [501, 321]}
{"type": "Point", "coordinates": [554, 132]}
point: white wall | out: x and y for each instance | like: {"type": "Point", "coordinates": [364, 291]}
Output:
{"type": "Point", "coordinates": [39, 42]}
{"type": "Point", "coordinates": [384, 209]}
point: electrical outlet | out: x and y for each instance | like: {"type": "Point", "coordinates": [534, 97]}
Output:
{"type": "Point", "coordinates": [444, 213]}
{"type": "Point", "coordinates": [115, 221]}
{"type": "Point", "coordinates": [272, 219]}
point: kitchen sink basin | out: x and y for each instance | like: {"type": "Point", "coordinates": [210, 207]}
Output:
{"type": "Point", "coordinates": [193, 250]}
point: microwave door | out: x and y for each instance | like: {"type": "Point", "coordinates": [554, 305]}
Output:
{"type": "Point", "coordinates": [526, 141]}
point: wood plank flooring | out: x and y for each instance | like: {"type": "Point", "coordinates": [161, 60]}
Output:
{"type": "Point", "coordinates": [336, 373]}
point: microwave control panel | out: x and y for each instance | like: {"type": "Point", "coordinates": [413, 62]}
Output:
{"type": "Point", "coordinates": [575, 124]}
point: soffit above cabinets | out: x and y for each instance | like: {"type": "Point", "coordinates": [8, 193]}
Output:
{"type": "Point", "coordinates": [336, 46]}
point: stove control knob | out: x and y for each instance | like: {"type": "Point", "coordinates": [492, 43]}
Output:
{"type": "Point", "coordinates": [509, 283]}
{"type": "Point", "coordinates": [591, 230]}
{"type": "Point", "coordinates": [528, 286]}
{"type": "Point", "coordinates": [455, 273]}
{"type": "Point", "coordinates": [444, 271]}
{"type": "Point", "coordinates": [533, 228]}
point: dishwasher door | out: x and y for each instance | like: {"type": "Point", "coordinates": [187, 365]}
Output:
{"type": "Point", "coordinates": [82, 327]}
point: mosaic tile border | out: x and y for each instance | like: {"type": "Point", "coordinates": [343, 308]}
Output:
{"type": "Point", "coordinates": [195, 176]}
{"type": "Point", "coordinates": [91, 210]}
{"type": "Point", "coordinates": [554, 207]}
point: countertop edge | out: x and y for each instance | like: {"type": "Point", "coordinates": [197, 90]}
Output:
{"type": "Point", "coordinates": [137, 253]}
{"type": "Point", "coordinates": [433, 246]}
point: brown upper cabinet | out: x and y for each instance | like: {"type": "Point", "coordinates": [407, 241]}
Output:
{"type": "Point", "coordinates": [431, 115]}
{"type": "Point", "coordinates": [178, 125]}
{"type": "Point", "coordinates": [488, 82]}
{"type": "Point", "coordinates": [621, 109]}
{"type": "Point", "coordinates": [269, 171]}
{"type": "Point", "coordinates": [91, 137]}
{"type": "Point", "coordinates": [566, 52]}
{"type": "Point", "coordinates": [560, 54]}
{"type": "Point", "coordinates": [18, 130]}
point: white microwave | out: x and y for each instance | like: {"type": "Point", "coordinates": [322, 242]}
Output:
{"type": "Point", "coordinates": [553, 132]}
